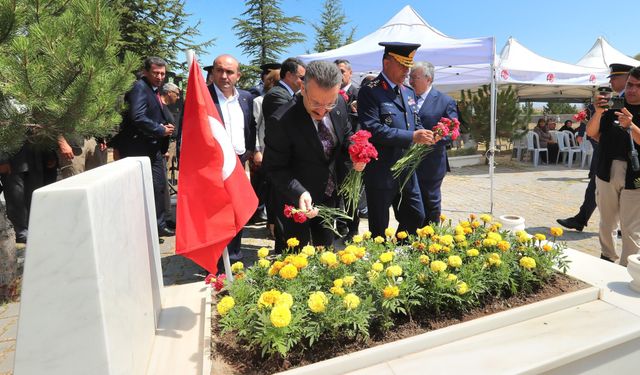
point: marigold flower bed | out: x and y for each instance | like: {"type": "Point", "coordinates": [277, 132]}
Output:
{"type": "Point", "coordinates": [283, 311]}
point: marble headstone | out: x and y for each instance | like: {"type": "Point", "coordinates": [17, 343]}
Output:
{"type": "Point", "coordinates": [91, 289]}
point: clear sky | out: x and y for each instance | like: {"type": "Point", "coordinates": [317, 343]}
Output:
{"type": "Point", "coordinates": [560, 29]}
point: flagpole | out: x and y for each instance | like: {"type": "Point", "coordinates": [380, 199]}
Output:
{"type": "Point", "coordinates": [227, 265]}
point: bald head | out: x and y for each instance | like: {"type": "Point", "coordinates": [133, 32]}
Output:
{"type": "Point", "coordinates": [226, 72]}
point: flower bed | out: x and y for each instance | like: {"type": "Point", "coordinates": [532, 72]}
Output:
{"type": "Point", "coordinates": [313, 297]}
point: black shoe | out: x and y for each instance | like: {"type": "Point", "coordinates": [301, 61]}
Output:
{"type": "Point", "coordinates": [603, 257]}
{"type": "Point", "coordinates": [571, 223]}
{"type": "Point", "coordinates": [619, 233]}
{"type": "Point", "coordinates": [166, 232]}
{"type": "Point", "coordinates": [170, 224]}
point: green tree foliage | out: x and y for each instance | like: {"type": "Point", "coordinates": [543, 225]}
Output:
{"type": "Point", "coordinates": [555, 108]}
{"type": "Point", "coordinates": [265, 33]}
{"type": "Point", "coordinates": [158, 28]}
{"type": "Point", "coordinates": [637, 56]}
{"type": "Point", "coordinates": [329, 33]}
{"type": "Point", "coordinates": [59, 70]}
{"type": "Point", "coordinates": [475, 111]}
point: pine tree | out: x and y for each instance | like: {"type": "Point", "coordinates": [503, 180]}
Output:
{"type": "Point", "coordinates": [329, 34]}
{"type": "Point", "coordinates": [158, 28]}
{"type": "Point", "coordinates": [265, 33]}
{"type": "Point", "coordinates": [555, 108]}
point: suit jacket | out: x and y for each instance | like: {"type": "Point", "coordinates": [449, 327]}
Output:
{"type": "Point", "coordinates": [391, 119]}
{"type": "Point", "coordinates": [246, 104]}
{"type": "Point", "coordinates": [352, 93]}
{"type": "Point", "coordinates": [142, 128]}
{"type": "Point", "coordinates": [274, 99]}
{"type": "Point", "coordinates": [436, 105]}
{"type": "Point", "coordinates": [294, 159]}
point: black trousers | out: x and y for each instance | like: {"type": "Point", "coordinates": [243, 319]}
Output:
{"type": "Point", "coordinates": [17, 193]}
{"type": "Point", "coordinates": [310, 232]}
{"type": "Point", "coordinates": [589, 203]}
{"type": "Point", "coordinates": [159, 175]}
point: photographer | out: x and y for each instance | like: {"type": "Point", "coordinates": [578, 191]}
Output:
{"type": "Point", "coordinates": [618, 169]}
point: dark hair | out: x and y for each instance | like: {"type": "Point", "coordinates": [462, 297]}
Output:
{"type": "Point", "coordinates": [290, 65]}
{"type": "Point", "coordinates": [567, 122]}
{"type": "Point", "coordinates": [343, 61]}
{"type": "Point", "coordinates": [541, 120]}
{"type": "Point", "coordinates": [635, 72]}
{"type": "Point", "coordinates": [153, 60]}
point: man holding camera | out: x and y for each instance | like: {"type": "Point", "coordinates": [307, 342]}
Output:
{"type": "Point", "coordinates": [618, 169]}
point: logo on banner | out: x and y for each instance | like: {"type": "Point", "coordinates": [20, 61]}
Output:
{"type": "Point", "coordinates": [592, 78]}
{"type": "Point", "coordinates": [551, 77]}
{"type": "Point", "coordinates": [504, 74]}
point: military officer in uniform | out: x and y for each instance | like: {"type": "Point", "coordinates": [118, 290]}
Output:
{"type": "Point", "coordinates": [387, 109]}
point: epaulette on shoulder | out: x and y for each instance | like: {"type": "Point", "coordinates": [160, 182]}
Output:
{"type": "Point", "coordinates": [374, 83]}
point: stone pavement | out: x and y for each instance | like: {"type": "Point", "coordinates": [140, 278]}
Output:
{"type": "Point", "coordinates": [540, 195]}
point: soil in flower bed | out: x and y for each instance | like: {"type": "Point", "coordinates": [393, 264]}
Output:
{"type": "Point", "coordinates": [230, 358]}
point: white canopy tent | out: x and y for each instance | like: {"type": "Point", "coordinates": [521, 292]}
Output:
{"type": "Point", "coordinates": [538, 78]}
{"type": "Point", "coordinates": [460, 63]}
{"type": "Point", "coordinates": [602, 54]}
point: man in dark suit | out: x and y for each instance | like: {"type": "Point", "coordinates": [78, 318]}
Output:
{"type": "Point", "coordinates": [306, 154]}
{"type": "Point", "coordinates": [292, 73]}
{"type": "Point", "coordinates": [387, 109]}
{"type": "Point", "coordinates": [236, 109]}
{"type": "Point", "coordinates": [143, 128]}
{"type": "Point", "coordinates": [432, 106]}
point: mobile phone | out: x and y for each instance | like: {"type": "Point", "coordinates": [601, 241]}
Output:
{"type": "Point", "coordinates": [616, 102]}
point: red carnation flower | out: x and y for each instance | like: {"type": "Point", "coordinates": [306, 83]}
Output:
{"type": "Point", "coordinates": [288, 211]}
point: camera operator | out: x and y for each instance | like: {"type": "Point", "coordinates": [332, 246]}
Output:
{"type": "Point", "coordinates": [617, 193]}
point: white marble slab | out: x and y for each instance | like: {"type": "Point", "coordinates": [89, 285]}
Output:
{"type": "Point", "coordinates": [91, 289]}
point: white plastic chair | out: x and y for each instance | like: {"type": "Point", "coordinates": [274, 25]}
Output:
{"type": "Point", "coordinates": [533, 146]}
{"type": "Point", "coordinates": [519, 145]}
{"type": "Point", "coordinates": [563, 148]}
{"type": "Point", "coordinates": [573, 150]}
{"type": "Point", "coordinates": [587, 152]}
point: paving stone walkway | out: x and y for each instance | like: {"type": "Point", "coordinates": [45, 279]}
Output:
{"type": "Point", "coordinates": [540, 195]}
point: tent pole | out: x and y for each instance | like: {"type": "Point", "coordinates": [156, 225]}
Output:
{"type": "Point", "coordinates": [492, 143]}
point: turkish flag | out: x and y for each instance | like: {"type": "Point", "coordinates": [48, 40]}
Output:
{"type": "Point", "coordinates": [215, 197]}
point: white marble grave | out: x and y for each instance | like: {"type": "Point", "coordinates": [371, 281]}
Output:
{"type": "Point", "coordinates": [91, 296]}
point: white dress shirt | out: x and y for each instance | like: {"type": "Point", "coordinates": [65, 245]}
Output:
{"type": "Point", "coordinates": [233, 118]}
{"type": "Point", "coordinates": [422, 98]}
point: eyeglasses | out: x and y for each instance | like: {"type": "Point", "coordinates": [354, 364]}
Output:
{"type": "Point", "coordinates": [328, 107]}
{"type": "Point", "coordinates": [301, 78]}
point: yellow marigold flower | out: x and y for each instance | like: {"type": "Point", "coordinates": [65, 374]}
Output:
{"type": "Point", "coordinates": [366, 235]}
{"type": "Point", "coordinates": [475, 224]}
{"type": "Point", "coordinates": [434, 248]}
{"type": "Point", "coordinates": [280, 316]}
{"type": "Point", "coordinates": [289, 259]}
{"type": "Point", "coordinates": [556, 231]}
{"type": "Point", "coordinates": [446, 249]}
{"type": "Point", "coordinates": [394, 271]}
{"type": "Point", "coordinates": [285, 300]}
{"type": "Point", "coordinates": [455, 261]}
{"type": "Point", "coordinates": [372, 275]}
{"type": "Point", "coordinates": [418, 245]}
{"type": "Point", "coordinates": [472, 217]}
{"type": "Point", "coordinates": [263, 263]}
{"type": "Point", "coordinates": [468, 230]}
{"type": "Point", "coordinates": [337, 290]}
{"type": "Point", "coordinates": [419, 232]}
{"type": "Point", "coordinates": [386, 257]}
{"type": "Point", "coordinates": [350, 249]}
{"type": "Point", "coordinates": [486, 218]}
{"type": "Point", "coordinates": [489, 242]}
{"type": "Point", "coordinates": [540, 236]}
{"type": "Point", "coordinates": [443, 218]}
{"type": "Point", "coordinates": [494, 259]}
{"type": "Point", "coordinates": [225, 305]}
{"type": "Point", "coordinates": [390, 291]}
{"type": "Point", "coordinates": [288, 272]}
{"type": "Point", "coordinates": [349, 280]}
{"type": "Point", "coordinates": [300, 262]}
{"type": "Point", "coordinates": [328, 259]}
{"type": "Point", "coordinates": [378, 239]}
{"type": "Point", "coordinates": [547, 247]}
{"type": "Point", "coordinates": [473, 252]}
{"type": "Point", "coordinates": [452, 277]}
{"type": "Point", "coordinates": [263, 252]}
{"type": "Point", "coordinates": [360, 252]}
{"type": "Point", "coordinates": [446, 240]}
{"type": "Point", "coordinates": [357, 238]}
{"type": "Point", "coordinates": [494, 236]}
{"type": "Point", "coordinates": [317, 302]}
{"type": "Point", "coordinates": [438, 266]}
{"type": "Point", "coordinates": [424, 259]}
{"type": "Point", "coordinates": [428, 230]}
{"type": "Point", "coordinates": [462, 288]}
{"type": "Point", "coordinates": [497, 224]}
{"type": "Point", "coordinates": [348, 258]}
{"type": "Point", "coordinates": [528, 263]}
{"type": "Point", "coordinates": [459, 229]}
{"type": "Point", "coordinates": [389, 232]}
{"type": "Point", "coordinates": [292, 242]}
{"type": "Point", "coordinates": [459, 238]}
{"type": "Point", "coordinates": [402, 235]}
{"type": "Point", "coordinates": [521, 233]}
{"type": "Point", "coordinates": [277, 265]}
{"type": "Point", "coordinates": [504, 245]}
{"type": "Point", "coordinates": [338, 283]}
{"type": "Point", "coordinates": [377, 266]}
{"type": "Point", "coordinates": [351, 301]}
{"type": "Point", "coordinates": [237, 267]}
{"type": "Point", "coordinates": [465, 224]}
{"type": "Point", "coordinates": [309, 250]}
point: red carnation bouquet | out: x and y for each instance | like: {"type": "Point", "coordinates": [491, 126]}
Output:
{"type": "Point", "coordinates": [327, 215]}
{"type": "Point", "coordinates": [361, 151]}
{"type": "Point", "coordinates": [417, 152]}
{"type": "Point", "coordinates": [580, 116]}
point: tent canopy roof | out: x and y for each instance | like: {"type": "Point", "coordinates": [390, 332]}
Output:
{"type": "Point", "coordinates": [602, 54]}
